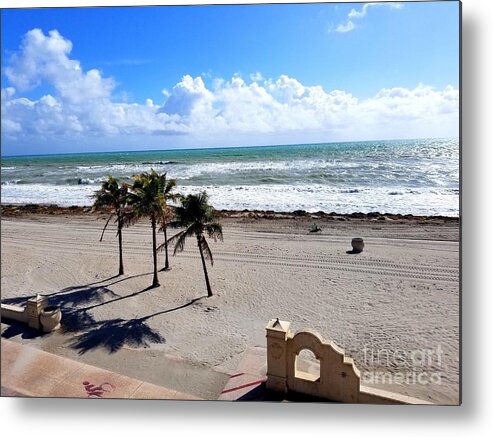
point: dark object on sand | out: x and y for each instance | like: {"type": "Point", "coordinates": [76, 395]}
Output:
{"type": "Point", "coordinates": [315, 228]}
{"type": "Point", "coordinates": [357, 244]}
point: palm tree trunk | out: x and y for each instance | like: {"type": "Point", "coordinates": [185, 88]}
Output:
{"type": "Point", "coordinates": [166, 260]}
{"type": "Point", "coordinates": [120, 226]}
{"type": "Point", "coordinates": [209, 291]}
{"type": "Point", "coordinates": [155, 281]}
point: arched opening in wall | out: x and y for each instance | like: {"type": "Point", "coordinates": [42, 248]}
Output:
{"type": "Point", "coordinates": [307, 366]}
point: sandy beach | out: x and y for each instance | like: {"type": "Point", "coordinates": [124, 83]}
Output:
{"type": "Point", "coordinates": [400, 295]}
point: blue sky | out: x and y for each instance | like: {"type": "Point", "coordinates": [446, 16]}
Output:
{"type": "Point", "coordinates": [333, 63]}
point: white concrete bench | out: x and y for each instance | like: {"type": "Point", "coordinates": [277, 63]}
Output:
{"type": "Point", "coordinates": [14, 312]}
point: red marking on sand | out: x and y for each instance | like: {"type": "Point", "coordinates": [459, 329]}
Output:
{"type": "Point", "coordinates": [244, 386]}
{"type": "Point", "coordinates": [235, 375]}
{"type": "Point", "coordinates": [96, 391]}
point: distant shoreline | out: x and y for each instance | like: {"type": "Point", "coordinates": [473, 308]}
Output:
{"type": "Point", "coordinates": [9, 210]}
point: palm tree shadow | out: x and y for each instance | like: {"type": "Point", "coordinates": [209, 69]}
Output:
{"type": "Point", "coordinates": [69, 300]}
{"type": "Point", "coordinates": [79, 319]}
{"type": "Point", "coordinates": [119, 298]}
{"type": "Point", "coordinates": [75, 320]}
{"type": "Point", "coordinates": [74, 287]}
{"type": "Point", "coordinates": [16, 328]}
{"type": "Point", "coordinates": [110, 334]}
{"type": "Point", "coordinates": [77, 294]}
{"type": "Point", "coordinates": [82, 296]}
{"type": "Point", "coordinates": [173, 309]}
{"type": "Point", "coordinates": [113, 334]}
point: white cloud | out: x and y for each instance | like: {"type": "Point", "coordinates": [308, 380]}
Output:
{"type": "Point", "coordinates": [362, 12]}
{"type": "Point", "coordinates": [349, 25]}
{"type": "Point", "coordinates": [46, 58]}
{"type": "Point", "coordinates": [227, 112]}
{"type": "Point", "coordinates": [345, 27]}
{"type": "Point", "coordinates": [256, 77]}
{"type": "Point", "coordinates": [185, 96]}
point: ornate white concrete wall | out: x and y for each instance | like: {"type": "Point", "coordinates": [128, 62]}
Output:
{"type": "Point", "coordinates": [339, 378]}
{"type": "Point", "coordinates": [27, 314]}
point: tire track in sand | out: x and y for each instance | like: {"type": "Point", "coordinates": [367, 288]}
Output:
{"type": "Point", "coordinates": [374, 266]}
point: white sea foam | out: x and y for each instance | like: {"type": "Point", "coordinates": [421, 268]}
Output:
{"type": "Point", "coordinates": [315, 198]}
{"type": "Point", "coordinates": [187, 171]}
{"type": "Point", "coordinates": [90, 181]}
{"type": "Point", "coordinates": [274, 197]}
{"type": "Point", "coordinates": [265, 167]}
{"type": "Point", "coordinates": [63, 195]}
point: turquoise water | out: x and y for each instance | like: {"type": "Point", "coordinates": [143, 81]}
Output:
{"type": "Point", "coordinates": [418, 177]}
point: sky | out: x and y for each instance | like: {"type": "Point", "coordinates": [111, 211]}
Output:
{"type": "Point", "coordinates": [140, 78]}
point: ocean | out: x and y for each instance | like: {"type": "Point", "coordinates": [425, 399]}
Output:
{"type": "Point", "coordinates": [419, 177]}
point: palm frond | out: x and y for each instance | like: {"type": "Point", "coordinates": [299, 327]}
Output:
{"type": "Point", "coordinates": [197, 217]}
{"type": "Point", "coordinates": [130, 218]}
{"type": "Point", "coordinates": [105, 226]}
{"type": "Point", "coordinates": [102, 198]}
{"type": "Point", "coordinates": [178, 240]}
{"type": "Point", "coordinates": [168, 186]}
{"type": "Point", "coordinates": [214, 230]}
{"type": "Point", "coordinates": [165, 218]}
{"type": "Point", "coordinates": [175, 224]}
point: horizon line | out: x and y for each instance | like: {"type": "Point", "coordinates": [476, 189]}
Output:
{"type": "Point", "coordinates": [222, 147]}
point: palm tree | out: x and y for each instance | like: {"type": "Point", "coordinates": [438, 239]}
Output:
{"type": "Point", "coordinates": [114, 196]}
{"type": "Point", "coordinates": [166, 213]}
{"type": "Point", "coordinates": [146, 199]}
{"type": "Point", "coordinates": [198, 217]}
